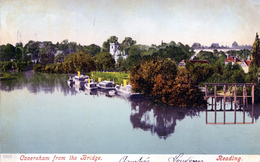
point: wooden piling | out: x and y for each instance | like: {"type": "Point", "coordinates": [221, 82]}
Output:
{"type": "Point", "coordinates": [215, 94]}
{"type": "Point", "coordinates": [244, 94]}
{"type": "Point", "coordinates": [244, 98]}
{"type": "Point", "coordinates": [235, 101]}
{"type": "Point", "coordinates": [253, 94]}
{"type": "Point", "coordinates": [224, 92]}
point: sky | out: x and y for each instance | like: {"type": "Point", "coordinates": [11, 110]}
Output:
{"type": "Point", "coordinates": [146, 21]}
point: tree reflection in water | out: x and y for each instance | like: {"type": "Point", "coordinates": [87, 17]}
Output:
{"type": "Point", "coordinates": [157, 118]}
{"type": "Point", "coordinates": [145, 114]}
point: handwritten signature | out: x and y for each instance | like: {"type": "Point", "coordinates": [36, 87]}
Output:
{"type": "Point", "coordinates": [180, 158]}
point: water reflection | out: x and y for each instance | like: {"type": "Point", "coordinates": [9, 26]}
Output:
{"type": "Point", "coordinates": [146, 115]}
{"type": "Point", "coordinates": [220, 112]}
{"type": "Point", "coordinates": [157, 118]}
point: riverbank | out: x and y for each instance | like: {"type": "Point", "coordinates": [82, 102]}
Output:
{"type": "Point", "coordinates": [117, 77]}
{"type": "Point", "coordinates": [8, 76]}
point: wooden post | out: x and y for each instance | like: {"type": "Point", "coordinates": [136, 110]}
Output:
{"type": "Point", "coordinates": [244, 94]}
{"type": "Point", "coordinates": [253, 94]}
{"type": "Point", "coordinates": [212, 103]}
{"type": "Point", "coordinates": [235, 101]}
{"type": "Point", "coordinates": [244, 114]}
{"type": "Point", "coordinates": [224, 91]}
{"type": "Point", "coordinates": [253, 113]}
{"type": "Point", "coordinates": [207, 115]}
{"type": "Point", "coordinates": [215, 95]}
{"type": "Point", "coordinates": [206, 91]}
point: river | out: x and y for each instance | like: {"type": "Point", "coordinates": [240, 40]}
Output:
{"type": "Point", "coordinates": [41, 114]}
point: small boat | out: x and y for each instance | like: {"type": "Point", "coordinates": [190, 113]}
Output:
{"type": "Point", "coordinates": [91, 85]}
{"type": "Point", "coordinates": [126, 91]}
{"type": "Point", "coordinates": [80, 80]}
{"type": "Point", "coordinates": [106, 85]}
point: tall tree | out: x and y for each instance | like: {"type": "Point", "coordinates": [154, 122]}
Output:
{"type": "Point", "coordinates": [256, 51]}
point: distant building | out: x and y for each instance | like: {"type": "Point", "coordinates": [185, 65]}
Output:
{"type": "Point", "coordinates": [214, 45]}
{"type": "Point", "coordinates": [243, 63]}
{"type": "Point", "coordinates": [115, 52]}
{"type": "Point", "coordinates": [196, 46]}
{"type": "Point", "coordinates": [183, 62]}
{"type": "Point", "coordinates": [233, 60]}
{"type": "Point", "coordinates": [235, 45]}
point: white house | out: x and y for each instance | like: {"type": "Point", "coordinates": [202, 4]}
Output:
{"type": "Point", "coordinates": [115, 52]}
{"type": "Point", "coordinates": [243, 63]}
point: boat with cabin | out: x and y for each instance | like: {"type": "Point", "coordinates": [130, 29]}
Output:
{"type": "Point", "coordinates": [90, 84]}
{"type": "Point", "coordinates": [126, 91]}
{"type": "Point", "coordinates": [106, 85]}
{"type": "Point", "coordinates": [80, 80]}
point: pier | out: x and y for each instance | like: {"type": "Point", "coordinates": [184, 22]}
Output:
{"type": "Point", "coordinates": [236, 98]}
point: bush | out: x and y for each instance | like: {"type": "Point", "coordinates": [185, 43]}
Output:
{"type": "Point", "coordinates": [37, 67]}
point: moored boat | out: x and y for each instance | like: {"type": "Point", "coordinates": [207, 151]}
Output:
{"type": "Point", "coordinates": [80, 80]}
{"type": "Point", "coordinates": [91, 85]}
{"type": "Point", "coordinates": [126, 91]}
{"type": "Point", "coordinates": [106, 85]}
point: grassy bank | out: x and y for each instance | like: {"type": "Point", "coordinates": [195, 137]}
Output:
{"type": "Point", "coordinates": [116, 76]}
{"type": "Point", "coordinates": [7, 76]}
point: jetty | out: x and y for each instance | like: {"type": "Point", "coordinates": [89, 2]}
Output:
{"type": "Point", "coordinates": [232, 96]}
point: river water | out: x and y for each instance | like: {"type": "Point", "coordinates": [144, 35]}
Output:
{"type": "Point", "coordinates": [41, 114]}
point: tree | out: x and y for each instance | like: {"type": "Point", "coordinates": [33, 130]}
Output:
{"type": "Point", "coordinates": [121, 64]}
{"type": "Point", "coordinates": [209, 56]}
{"type": "Point", "coordinates": [106, 44]}
{"type": "Point", "coordinates": [59, 58]}
{"type": "Point", "coordinates": [126, 44]}
{"type": "Point", "coordinates": [143, 74]}
{"type": "Point", "coordinates": [18, 54]}
{"type": "Point", "coordinates": [7, 52]}
{"type": "Point", "coordinates": [134, 56]}
{"type": "Point", "coordinates": [92, 49]}
{"type": "Point", "coordinates": [256, 51]}
{"type": "Point", "coordinates": [104, 61]}
{"type": "Point", "coordinates": [179, 92]}
{"type": "Point", "coordinates": [78, 61]}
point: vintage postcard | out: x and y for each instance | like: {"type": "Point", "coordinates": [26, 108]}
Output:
{"type": "Point", "coordinates": [130, 81]}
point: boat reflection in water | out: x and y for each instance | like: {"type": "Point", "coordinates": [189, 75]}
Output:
{"type": "Point", "coordinates": [159, 119]}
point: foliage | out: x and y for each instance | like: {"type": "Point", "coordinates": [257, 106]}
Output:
{"type": "Point", "coordinates": [177, 52]}
{"type": "Point", "coordinates": [106, 44]}
{"type": "Point", "coordinates": [92, 49]}
{"type": "Point", "coordinates": [8, 76]}
{"type": "Point", "coordinates": [126, 44]}
{"type": "Point", "coordinates": [243, 54]}
{"type": "Point", "coordinates": [6, 65]}
{"type": "Point", "coordinates": [37, 67]}
{"type": "Point", "coordinates": [209, 56]}
{"type": "Point", "coordinates": [200, 72]}
{"type": "Point", "coordinates": [143, 75]}
{"type": "Point", "coordinates": [256, 51]}
{"type": "Point", "coordinates": [176, 93]}
{"type": "Point", "coordinates": [7, 52]}
{"type": "Point", "coordinates": [59, 58]}
{"type": "Point", "coordinates": [121, 64]}
{"type": "Point", "coordinates": [20, 66]}
{"type": "Point", "coordinates": [104, 61]}
{"type": "Point", "coordinates": [134, 57]}
{"type": "Point", "coordinates": [117, 77]}
{"type": "Point", "coordinates": [78, 61]}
